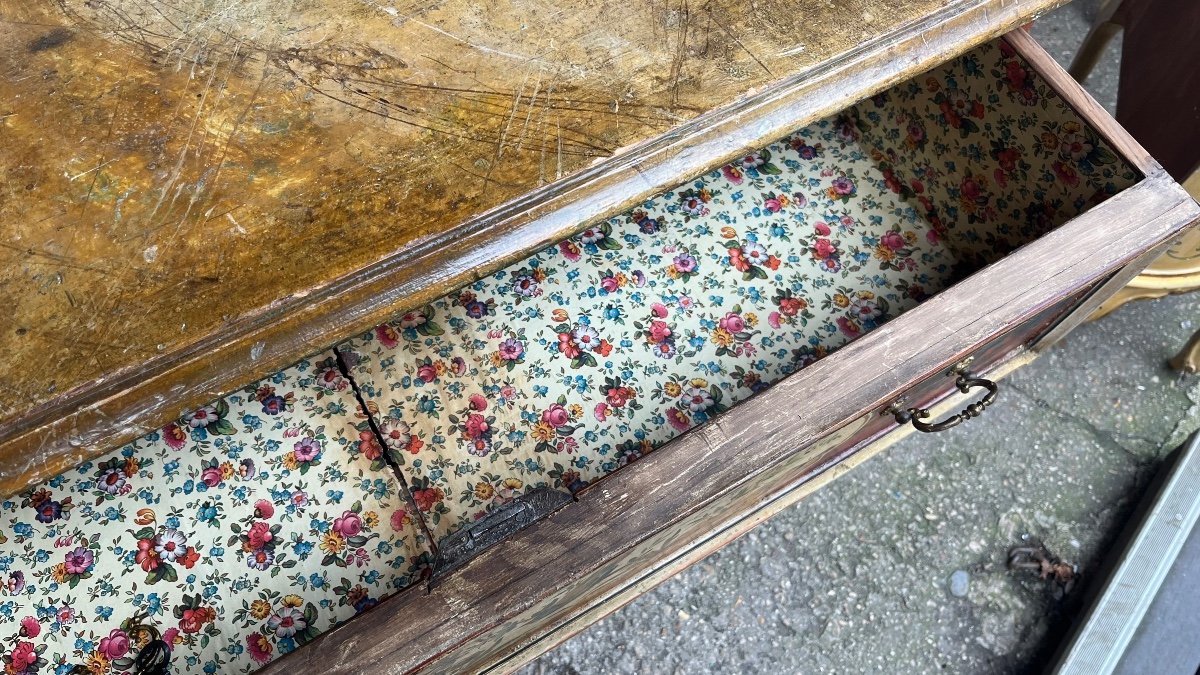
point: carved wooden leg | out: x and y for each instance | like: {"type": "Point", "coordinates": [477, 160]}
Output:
{"type": "Point", "coordinates": [1102, 32]}
{"type": "Point", "coordinates": [1188, 359]}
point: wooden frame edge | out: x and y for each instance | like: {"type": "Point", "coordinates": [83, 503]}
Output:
{"type": "Point", "coordinates": [787, 498]}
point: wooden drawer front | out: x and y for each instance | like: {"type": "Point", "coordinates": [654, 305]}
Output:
{"type": "Point", "coordinates": [1042, 248]}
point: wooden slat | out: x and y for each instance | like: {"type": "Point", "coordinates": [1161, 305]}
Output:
{"type": "Point", "coordinates": [674, 498]}
{"type": "Point", "coordinates": [720, 537]}
{"type": "Point", "coordinates": [194, 196]}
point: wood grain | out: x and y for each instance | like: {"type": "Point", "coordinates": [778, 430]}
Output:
{"type": "Point", "coordinates": [196, 194]}
{"type": "Point", "coordinates": [671, 500]}
{"type": "Point", "coordinates": [866, 438]}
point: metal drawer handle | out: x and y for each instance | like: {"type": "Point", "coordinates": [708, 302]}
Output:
{"type": "Point", "coordinates": [964, 382]}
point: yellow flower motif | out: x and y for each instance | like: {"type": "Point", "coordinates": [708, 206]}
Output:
{"type": "Point", "coordinates": [910, 237]}
{"type": "Point", "coordinates": [440, 367]}
{"type": "Point", "coordinates": [259, 609]}
{"type": "Point", "coordinates": [672, 389]}
{"type": "Point", "coordinates": [97, 663]}
{"type": "Point", "coordinates": [884, 254]}
{"type": "Point", "coordinates": [332, 542]}
{"type": "Point", "coordinates": [227, 470]}
{"type": "Point", "coordinates": [559, 315]}
{"type": "Point", "coordinates": [291, 600]}
{"type": "Point", "coordinates": [371, 518]}
{"type": "Point", "coordinates": [722, 337]}
{"type": "Point", "coordinates": [728, 232]}
{"type": "Point", "coordinates": [484, 490]}
{"type": "Point", "coordinates": [841, 300]}
{"type": "Point", "coordinates": [542, 432]}
{"type": "Point", "coordinates": [575, 409]}
{"type": "Point", "coordinates": [705, 194]}
{"type": "Point", "coordinates": [289, 461]}
{"type": "Point", "coordinates": [698, 382]}
{"type": "Point", "coordinates": [751, 318]}
{"type": "Point", "coordinates": [512, 484]}
{"type": "Point", "coordinates": [866, 295]}
{"type": "Point", "coordinates": [497, 360]}
{"type": "Point", "coordinates": [672, 272]}
{"type": "Point", "coordinates": [59, 572]}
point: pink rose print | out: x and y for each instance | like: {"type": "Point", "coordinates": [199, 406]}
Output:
{"type": "Point", "coordinates": [556, 416]}
{"type": "Point", "coordinates": [477, 425]}
{"type": "Point", "coordinates": [349, 525]}
{"type": "Point", "coordinates": [733, 323]}
{"type": "Point", "coordinates": [893, 240]}
{"type": "Point", "coordinates": [115, 645]}
{"type": "Point", "coordinates": [259, 535]}
{"type": "Point", "coordinates": [263, 509]}
{"type": "Point", "coordinates": [659, 331]}
{"type": "Point", "coordinates": [23, 656]}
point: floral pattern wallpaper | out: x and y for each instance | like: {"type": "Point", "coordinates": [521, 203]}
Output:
{"type": "Point", "coordinates": [235, 534]}
{"type": "Point", "coordinates": [987, 153]}
{"type": "Point", "coordinates": [241, 531]}
{"type": "Point", "coordinates": [582, 358]}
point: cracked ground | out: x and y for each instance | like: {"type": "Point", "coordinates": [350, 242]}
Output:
{"type": "Point", "coordinates": [856, 579]}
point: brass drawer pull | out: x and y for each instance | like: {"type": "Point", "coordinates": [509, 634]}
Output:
{"type": "Point", "coordinates": [964, 382]}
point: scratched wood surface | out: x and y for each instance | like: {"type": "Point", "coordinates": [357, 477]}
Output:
{"type": "Point", "coordinates": [198, 192]}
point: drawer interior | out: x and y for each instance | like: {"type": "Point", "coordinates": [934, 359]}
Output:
{"type": "Point", "coordinates": [568, 365]}
{"type": "Point", "coordinates": [244, 529]}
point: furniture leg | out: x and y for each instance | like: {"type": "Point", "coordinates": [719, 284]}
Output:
{"type": "Point", "coordinates": [1188, 358]}
{"type": "Point", "coordinates": [1104, 28]}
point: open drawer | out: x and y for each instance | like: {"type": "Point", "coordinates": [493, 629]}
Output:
{"type": "Point", "coordinates": [674, 371]}
{"type": "Point", "coordinates": [979, 208]}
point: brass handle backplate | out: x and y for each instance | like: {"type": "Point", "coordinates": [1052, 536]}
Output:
{"type": "Point", "coordinates": [964, 382]}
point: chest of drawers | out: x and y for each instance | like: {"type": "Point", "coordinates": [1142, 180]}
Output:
{"type": "Point", "coordinates": [677, 340]}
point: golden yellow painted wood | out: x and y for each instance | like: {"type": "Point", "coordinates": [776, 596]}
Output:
{"type": "Point", "coordinates": [1177, 270]}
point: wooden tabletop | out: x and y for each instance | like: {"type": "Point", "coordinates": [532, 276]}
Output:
{"type": "Point", "coordinates": [197, 193]}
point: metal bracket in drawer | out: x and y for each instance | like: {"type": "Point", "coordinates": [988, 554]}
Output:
{"type": "Point", "coordinates": [457, 549]}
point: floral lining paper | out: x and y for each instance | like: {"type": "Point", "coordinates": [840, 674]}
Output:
{"type": "Point", "coordinates": [236, 534]}
{"type": "Point", "coordinates": [243, 530]}
{"type": "Point", "coordinates": [567, 365]}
